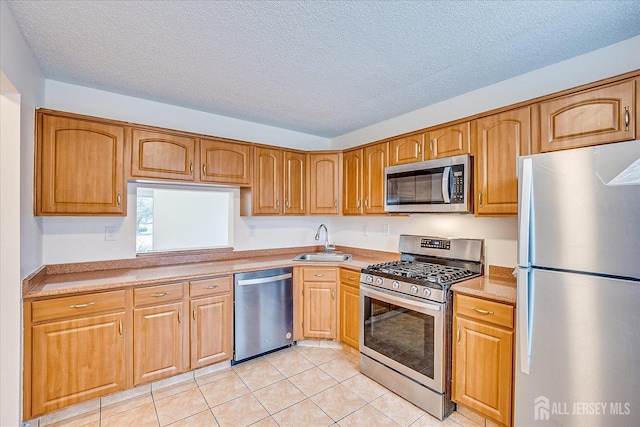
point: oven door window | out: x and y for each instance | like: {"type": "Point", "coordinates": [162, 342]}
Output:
{"type": "Point", "coordinates": [401, 334]}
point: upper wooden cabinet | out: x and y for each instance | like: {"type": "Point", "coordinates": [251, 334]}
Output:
{"type": "Point", "coordinates": [294, 180]}
{"type": "Point", "coordinates": [449, 141]}
{"type": "Point", "coordinates": [225, 162]}
{"type": "Point", "coordinates": [266, 197]}
{"type": "Point", "coordinates": [409, 149]}
{"type": "Point", "coordinates": [79, 167]}
{"type": "Point", "coordinates": [375, 160]}
{"type": "Point", "coordinates": [500, 139]}
{"type": "Point", "coordinates": [597, 116]}
{"type": "Point", "coordinates": [324, 183]}
{"type": "Point", "coordinates": [443, 142]}
{"type": "Point", "coordinates": [162, 155]}
{"type": "Point", "coordinates": [352, 182]}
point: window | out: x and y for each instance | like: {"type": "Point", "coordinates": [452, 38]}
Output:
{"type": "Point", "coordinates": [179, 218]}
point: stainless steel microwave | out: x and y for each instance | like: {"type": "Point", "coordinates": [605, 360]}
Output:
{"type": "Point", "coordinates": [440, 185]}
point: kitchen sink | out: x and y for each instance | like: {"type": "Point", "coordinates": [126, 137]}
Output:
{"type": "Point", "coordinates": [323, 257]}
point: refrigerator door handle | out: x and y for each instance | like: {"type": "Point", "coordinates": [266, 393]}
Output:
{"type": "Point", "coordinates": [524, 325]}
{"type": "Point", "coordinates": [524, 213]}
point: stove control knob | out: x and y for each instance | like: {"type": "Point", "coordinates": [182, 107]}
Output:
{"type": "Point", "coordinates": [395, 284]}
{"type": "Point", "coordinates": [427, 292]}
{"type": "Point", "coordinates": [379, 281]}
{"type": "Point", "coordinates": [369, 279]}
{"type": "Point", "coordinates": [414, 289]}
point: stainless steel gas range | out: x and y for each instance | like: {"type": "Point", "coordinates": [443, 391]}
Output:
{"type": "Point", "coordinates": [406, 311]}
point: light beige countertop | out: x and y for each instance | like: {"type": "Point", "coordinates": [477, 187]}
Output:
{"type": "Point", "coordinates": [499, 286]}
{"type": "Point", "coordinates": [76, 278]}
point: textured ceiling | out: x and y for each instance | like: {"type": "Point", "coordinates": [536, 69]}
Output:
{"type": "Point", "coordinates": [324, 68]}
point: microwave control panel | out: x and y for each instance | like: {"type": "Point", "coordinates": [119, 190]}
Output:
{"type": "Point", "coordinates": [458, 184]}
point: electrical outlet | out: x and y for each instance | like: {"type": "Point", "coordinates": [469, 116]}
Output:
{"type": "Point", "coordinates": [109, 233]}
{"type": "Point", "coordinates": [365, 230]}
{"type": "Point", "coordinates": [385, 229]}
{"type": "Point", "coordinates": [252, 231]}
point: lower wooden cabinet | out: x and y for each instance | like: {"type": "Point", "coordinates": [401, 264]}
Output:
{"type": "Point", "coordinates": [483, 357]}
{"type": "Point", "coordinates": [211, 321]}
{"type": "Point", "coordinates": [319, 303]}
{"type": "Point", "coordinates": [350, 307]}
{"type": "Point", "coordinates": [158, 339]}
{"type": "Point", "coordinates": [74, 350]}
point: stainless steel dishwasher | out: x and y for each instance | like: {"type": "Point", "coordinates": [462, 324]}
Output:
{"type": "Point", "coordinates": [263, 312]}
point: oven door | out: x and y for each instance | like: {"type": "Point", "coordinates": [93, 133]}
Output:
{"type": "Point", "coordinates": [404, 333]}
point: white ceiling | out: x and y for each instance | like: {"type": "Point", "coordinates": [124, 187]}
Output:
{"type": "Point", "coordinates": [324, 68]}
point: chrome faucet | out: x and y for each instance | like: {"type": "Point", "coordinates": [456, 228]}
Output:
{"type": "Point", "coordinates": [327, 247]}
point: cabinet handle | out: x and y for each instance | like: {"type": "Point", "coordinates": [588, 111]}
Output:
{"type": "Point", "coordinates": [319, 275]}
{"type": "Point", "coordinates": [286, 203]}
{"type": "Point", "coordinates": [358, 204]}
{"type": "Point", "coordinates": [204, 169]}
{"type": "Point", "coordinates": [211, 287]}
{"type": "Point", "coordinates": [351, 278]}
{"type": "Point", "coordinates": [119, 199]}
{"type": "Point", "coordinates": [82, 305]}
{"type": "Point", "coordinates": [120, 328]}
{"type": "Point", "coordinates": [481, 311]}
{"type": "Point", "coordinates": [431, 147]}
{"type": "Point", "coordinates": [458, 335]}
{"type": "Point", "coordinates": [480, 197]}
{"type": "Point", "coordinates": [191, 166]}
{"type": "Point", "coordinates": [366, 202]}
{"type": "Point", "coordinates": [627, 118]}
{"type": "Point", "coordinates": [419, 150]}
{"type": "Point", "coordinates": [179, 317]}
{"type": "Point", "coordinates": [159, 295]}
{"type": "Point", "coordinates": [335, 204]}
{"type": "Point", "coordinates": [278, 203]}
{"type": "Point", "coordinates": [333, 294]}
{"type": "Point", "coordinates": [194, 314]}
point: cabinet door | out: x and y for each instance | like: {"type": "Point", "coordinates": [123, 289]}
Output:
{"type": "Point", "coordinates": [267, 182]}
{"type": "Point", "coordinates": [592, 117]}
{"type": "Point", "coordinates": [158, 342]}
{"type": "Point", "coordinates": [350, 314]}
{"type": "Point", "coordinates": [319, 310]}
{"type": "Point", "coordinates": [295, 183]}
{"type": "Point", "coordinates": [162, 155]}
{"type": "Point", "coordinates": [500, 139]}
{"type": "Point", "coordinates": [352, 182]}
{"type": "Point", "coordinates": [450, 141]}
{"type": "Point", "coordinates": [80, 167]}
{"type": "Point", "coordinates": [211, 330]}
{"type": "Point", "coordinates": [406, 150]}
{"type": "Point", "coordinates": [76, 360]}
{"type": "Point", "coordinates": [375, 160]}
{"type": "Point", "coordinates": [482, 374]}
{"type": "Point", "coordinates": [324, 176]}
{"type": "Point", "coordinates": [225, 162]}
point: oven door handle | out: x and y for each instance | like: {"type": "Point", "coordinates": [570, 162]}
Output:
{"type": "Point", "coordinates": [403, 302]}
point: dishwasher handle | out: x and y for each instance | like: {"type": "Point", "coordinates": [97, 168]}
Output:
{"type": "Point", "coordinates": [247, 282]}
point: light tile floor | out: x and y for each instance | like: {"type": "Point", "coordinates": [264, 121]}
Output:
{"type": "Point", "coordinates": [300, 386]}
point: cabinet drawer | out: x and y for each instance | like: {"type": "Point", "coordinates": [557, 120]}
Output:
{"type": "Point", "coordinates": [350, 277]}
{"type": "Point", "coordinates": [157, 294]}
{"type": "Point", "coordinates": [487, 311]}
{"type": "Point", "coordinates": [77, 305]}
{"type": "Point", "coordinates": [319, 274]}
{"type": "Point", "coordinates": [213, 286]}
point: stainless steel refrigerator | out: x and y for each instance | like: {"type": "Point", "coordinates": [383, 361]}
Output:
{"type": "Point", "coordinates": [578, 301]}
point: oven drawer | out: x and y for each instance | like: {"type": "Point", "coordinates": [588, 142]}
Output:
{"type": "Point", "coordinates": [481, 309]}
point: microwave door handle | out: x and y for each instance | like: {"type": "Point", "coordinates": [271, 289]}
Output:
{"type": "Point", "coordinates": [446, 194]}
